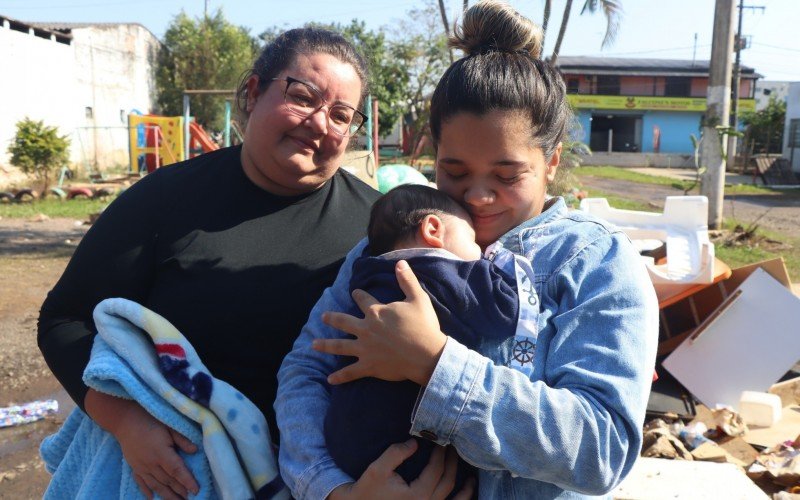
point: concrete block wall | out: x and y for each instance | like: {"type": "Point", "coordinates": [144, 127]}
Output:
{"type": "Point", "coordinates": [85, 88]}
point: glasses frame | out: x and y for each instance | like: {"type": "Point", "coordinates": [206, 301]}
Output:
{"type": "Point", "coordinates": [289, 81]}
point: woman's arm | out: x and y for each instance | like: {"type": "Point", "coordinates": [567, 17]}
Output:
{"type": "Point", "coordinates": [579, 425]}
{"type": "Point", "coordinates": [303, 397]}
{"type": "Point", "coordinates": [116, 258]}
{"type": "Point", "coordinates": [301, 405]}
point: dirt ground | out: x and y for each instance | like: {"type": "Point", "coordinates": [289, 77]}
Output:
{"type": "Point", "coordinates": [33, 254]}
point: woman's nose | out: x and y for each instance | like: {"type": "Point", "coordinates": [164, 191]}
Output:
{"type": "Point", "coordinates": [318, 121]}
{"type": "Point", "coordinates": [479, 195]}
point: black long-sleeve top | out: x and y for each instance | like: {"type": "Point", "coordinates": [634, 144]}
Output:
{"type": "Point", "coordinates": [233, 267]}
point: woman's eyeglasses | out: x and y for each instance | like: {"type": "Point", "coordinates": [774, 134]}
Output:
{"type": "Point", "coordinates": [304, 100]}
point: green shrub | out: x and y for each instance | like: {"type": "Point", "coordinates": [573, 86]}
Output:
{"type": "Point", "coordinates": [38, 150]}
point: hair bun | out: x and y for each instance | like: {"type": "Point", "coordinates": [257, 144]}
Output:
{"type": "Point", "coordinates": [491, 25]}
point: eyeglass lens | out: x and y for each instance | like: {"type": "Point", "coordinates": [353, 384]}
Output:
{"type": "Point", "coordinates": [304, 100]}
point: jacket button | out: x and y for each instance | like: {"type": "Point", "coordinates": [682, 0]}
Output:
{"type": "Point", "coordinates": [430, 436]}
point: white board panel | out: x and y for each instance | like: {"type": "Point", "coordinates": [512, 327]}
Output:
{"type": "Point", "coordinates": [748, 346]}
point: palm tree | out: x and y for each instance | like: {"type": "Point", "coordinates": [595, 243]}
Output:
{"type": "Point", "coordinates": [612, 9]}
{"type": "Point", "coordinates": [443, 12]}
{"type": "Point", "coordinates": [546, 17]}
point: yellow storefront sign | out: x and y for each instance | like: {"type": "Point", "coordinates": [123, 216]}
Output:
{"type": "Point", "coordinates": [642, 103]}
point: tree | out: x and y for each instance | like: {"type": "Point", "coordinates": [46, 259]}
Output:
{"type": "Point", "coordinates": [422, 50]}
{"type": "Point", "coordinates": [765, 127]}
{"type": "Point", "coordinates": [38, 150]}
{"type": "Point", "coordinates": [207, 53]}
{"type": "Point", "coordinates": [612, 9]}
{"type": "Point", "coordinates": [446, 24]}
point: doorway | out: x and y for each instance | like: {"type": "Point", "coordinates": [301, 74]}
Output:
{"type": "Point", "coordinates": [616, 133]}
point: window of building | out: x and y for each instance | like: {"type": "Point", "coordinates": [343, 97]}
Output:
{"type": "Point", "coordinates": [677, 86]}
{"type": "Point", "coordinates": [608, 85]}
{"type": "Point", "coordinates": [88, 112]}
{"type": "Point", "coordinates": [573, 86]}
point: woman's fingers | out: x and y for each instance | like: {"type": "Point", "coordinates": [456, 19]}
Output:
{"type": "Point", "coordinates": [408, 282]}
{"type": "Point", "coordinates": [430, 476]}
{"type": "Point", "coordinates": [349, 373]}
{"type": "Point", "coordinates": [364, 301]}
{"type": "Point", "coordinates": [182, 441]}
{"type": "Point", "coordinates": [178, 476]}
{"type": "Point", "coordinates": [146, 491]}
{"type": "Point", "coordinates": [159, 488]}
{"type": "Point", "coordinates": [391, 459]}
{"type": "Point", "coordinates": [467, 492]}
{"type": "Point", "coordinates": [448, 478]}
{"type": "Point", "coordinates": [168, 482]}
{"type": "Point", "coordinates": [342, 347]}
{"type": "Point", "coordinates": [344, 322]}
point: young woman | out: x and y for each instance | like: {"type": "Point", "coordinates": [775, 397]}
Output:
{"type": "Point", "coordinates": [559, 417]}
{"type": "Point", "coordinates": [232, 247]}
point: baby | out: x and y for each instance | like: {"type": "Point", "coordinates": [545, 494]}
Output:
{"type": "Point", "coordinates": [476, 301]}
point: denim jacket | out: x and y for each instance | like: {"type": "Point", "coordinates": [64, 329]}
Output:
{"type": "Point", "coordinates": [570, 429]}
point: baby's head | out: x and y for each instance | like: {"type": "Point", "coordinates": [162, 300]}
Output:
{"type": "Point", "coordinates": [414, 216]}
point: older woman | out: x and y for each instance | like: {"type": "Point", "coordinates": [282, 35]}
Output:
{"type": "Point", "coordinates": [232, 247]}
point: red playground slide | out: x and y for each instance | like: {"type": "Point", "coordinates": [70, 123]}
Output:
{"type": "Point", "coordinates": [200, 139]}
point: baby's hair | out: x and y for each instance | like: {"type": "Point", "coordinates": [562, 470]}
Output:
{"type": "Point", "coordinates": [397, 214]}
{"type": "Point", "coordinates": [501, 70]}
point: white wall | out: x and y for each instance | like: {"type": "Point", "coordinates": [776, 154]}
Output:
{"type": "Point", "coordinates": [108, 68]}
{"type": "Point", "coordinates": [792, 112]}
{"type": "Point", "coordinates": [38, 82]}
{"type": "Point", "coordinates": [778, 90]}
{"type": "Point", "coordinates": [117, 75]}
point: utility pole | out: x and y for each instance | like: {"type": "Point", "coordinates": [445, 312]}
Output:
{"type": "Point", "coordinates": [739, 45]}
{"type": "Point", "coordinates": [712, 150]}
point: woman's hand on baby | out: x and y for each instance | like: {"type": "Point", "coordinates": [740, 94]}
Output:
{"type": "Point", "coordinates": [396, 341]}
{"type": "Point", "coordinates": [149, 446]}
{"type": "Point", "coordinates": [381, 481]}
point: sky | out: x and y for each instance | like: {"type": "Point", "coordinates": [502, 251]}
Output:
{"type": "Point", "coordinates": [669, 29]}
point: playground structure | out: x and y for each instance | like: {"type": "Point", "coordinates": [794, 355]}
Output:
{"type": "Point", "coordinates": [156, 141]}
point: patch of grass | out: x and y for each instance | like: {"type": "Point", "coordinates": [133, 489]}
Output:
{"type": "Point", "coordinates": [762, 247]}
{"type": "Point", "coordinates": [622, 203]}
{"type": "Point", "coordinates": [735, 255]}
{"type": "Point", "coordinates": [629, 175]}
{"type": "Point", "coordinates": [53, 207]}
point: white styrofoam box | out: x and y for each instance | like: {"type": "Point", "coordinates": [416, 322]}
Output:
{"type": "Point", "coordinates": [760, 408]}
{"type": "Point", "coordinates": [683, 226]}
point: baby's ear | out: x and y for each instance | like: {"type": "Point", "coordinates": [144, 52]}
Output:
{"type": "Point", "coordinates": [431, 231]}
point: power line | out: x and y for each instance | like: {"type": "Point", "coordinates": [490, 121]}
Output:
{"type": "Point", "coordinates": [777, 47]}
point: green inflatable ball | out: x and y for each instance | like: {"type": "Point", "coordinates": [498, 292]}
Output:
{"type": "Point", "coordinates": [390, 176]}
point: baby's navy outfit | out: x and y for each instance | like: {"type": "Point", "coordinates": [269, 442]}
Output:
{"type": "Point", "coordinates": [477, 303]}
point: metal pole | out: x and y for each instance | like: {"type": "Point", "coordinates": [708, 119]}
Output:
{"type": "Point", "coordinates": [227, 133]}
{"type": "Point", "coordinates": [375, 131]}
{"type": "Point", "coordinates": [186, 115]}
{"type": "Point", "coordinates": [368, 125]}
{"type": "Point", "coordinates": [717, 111]}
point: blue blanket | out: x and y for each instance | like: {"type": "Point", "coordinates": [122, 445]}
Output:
{"type": "Point", "coordinates": [234, 457]}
